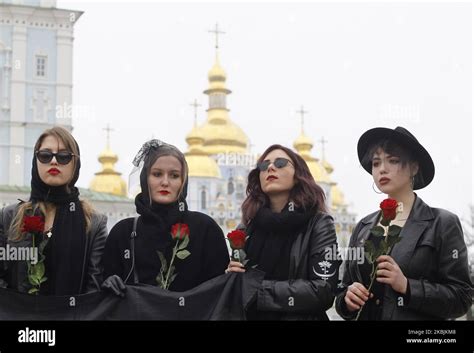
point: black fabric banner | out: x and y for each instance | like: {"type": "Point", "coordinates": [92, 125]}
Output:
{"type": "Point", "coordinates": [222, 298]}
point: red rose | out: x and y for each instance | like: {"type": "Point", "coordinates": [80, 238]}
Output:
{"type": "Point", "coordinates": [33, 224]}
{"type": "Point", "coordinates": [179, 231]}
{"type": "Point", "coordinates": [389, 209]}
{"type": "Point", "coordinates": [237, 239]}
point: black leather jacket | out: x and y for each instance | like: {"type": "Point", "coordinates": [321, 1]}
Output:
{"type": "Point", "coordinates": [13, 273]}
{"type": "Point", "coordinates": [313, 275]}
{"type": "Point", "coordinates": [432, 255]}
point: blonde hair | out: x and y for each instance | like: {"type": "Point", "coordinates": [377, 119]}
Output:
{"type": "Point", "coordinates": [16, 234]}
{"type": "Point", "coordinates": [63, 135]}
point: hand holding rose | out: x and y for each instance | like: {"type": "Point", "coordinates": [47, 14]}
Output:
{"type": "Point", "coordinates": [237, 240]}
{"type": "Point", "coordinates": [389, 272]}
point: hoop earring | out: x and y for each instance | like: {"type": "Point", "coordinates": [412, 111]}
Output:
{"type": "Point", "coordinates": [373, 188]}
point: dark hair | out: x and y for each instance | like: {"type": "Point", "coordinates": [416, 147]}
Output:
{"type": "Point", "coordinates": [392, 148]}
{"type": "Point", "coordinates": [305, 193]}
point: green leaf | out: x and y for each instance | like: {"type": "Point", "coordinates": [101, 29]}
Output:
{"type": "Point", "coordinates": [394, 230]}
{"type": "Point", "coordinates": [41, 246]}
{"type": "Point", "coordinates": [393, 236]}
{"type": "Point", "coordinates": [34, 280]}
{"type": "Point", "coordinates": [391, 241]}
{"type": "Point", "coordinates": [37, 270]}
{"type": "Point", "coordinates": [164, 265]}
{"type": "Point", "coordinates": [172, 270]}
{"type": "Point", "coordinates": [172, 278]}
{"type": "Point", "coordinates": [184, 243]}
{"type": "Point", "coordinates": [378, 231]}
{"type": "Point", "coordinates": [369, 246]}
{"type": "Point", "coordinates": [159, 280]}
{"type": "Point", "coordinates": [43, 279]}
{"type": "Point", "coordinates": [183, 254]}
{"type": "Point", "coordinates": [369, 250]}
{"type": "Point", "coordinates": [383, 248]}
{"type": "Point", "coordinates": [33, 290]}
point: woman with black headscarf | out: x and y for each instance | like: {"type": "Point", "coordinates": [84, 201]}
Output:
{"type": "Point", "coordinates": [146, 249]}
{"type": "Point", "coordinates": [66, 235]}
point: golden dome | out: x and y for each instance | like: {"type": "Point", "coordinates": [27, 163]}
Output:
{"type": "Point", "coordinates": [337, 196]}
{"type": "Point", "coordinates": [217, 73]}
{"type": "Point", "coordinates": [108, 180]}
{"type": "Point", "coordinates": [317, 171]}
{"type": "Point", "coordinates": [220, 134]}
{"type": "Point", "coordinates": [195, 138]}
{"type": "Point", "coordinates": [217, 78]}
{"type": "Point", "coordinates": [320, 170]}
{"type": "Point", "coordinates": [224, 138]}
{"type": "Point", "coordinates": [199, 162]}
{"type": "Point", "coordinates": [303, 145]}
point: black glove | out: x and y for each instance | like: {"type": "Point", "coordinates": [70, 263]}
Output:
{"type": "Point", "coordinates": [114, 284]}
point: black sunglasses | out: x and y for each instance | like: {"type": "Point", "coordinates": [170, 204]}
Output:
{"type": "Point", "coordinates": [45, 156]}
{"type": "Point", "coordinates": [278, 163]}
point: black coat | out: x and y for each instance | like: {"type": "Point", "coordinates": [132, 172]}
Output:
{"type": "Point", "coordinates": [305, 295]}
{"type": "Point", "coordinates": [14, 273]}
{"type": "Point", "coordinates": [209, 254]}
{"type": "Point", "coordinates": [432, 255]}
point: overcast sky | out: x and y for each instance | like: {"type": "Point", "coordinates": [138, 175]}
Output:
{"type": "Point", "coordinates": [353, 66]}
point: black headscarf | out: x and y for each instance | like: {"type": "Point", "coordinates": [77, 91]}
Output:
{"type": "Point", "coordinates": [271, 237]}
{"type": "Point", "coordinates": [157, 219]}
{"type": "Point", "coordinates": [65, 250]}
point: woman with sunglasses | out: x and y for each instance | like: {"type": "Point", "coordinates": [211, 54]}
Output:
{"type": "Point", "coordinates": [140, 250]}
{"type": "Point", "coordinates": [66, 234]}
{"type": "Point", "coordinates": [426, 274]}
{"type": "Point", "coordinates": [291, 237]}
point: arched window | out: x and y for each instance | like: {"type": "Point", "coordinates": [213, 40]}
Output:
{"type": "Point", "coordinates": [203, 199]}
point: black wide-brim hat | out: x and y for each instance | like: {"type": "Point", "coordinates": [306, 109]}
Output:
{"type": "Point", "coordinates": [403, 137]}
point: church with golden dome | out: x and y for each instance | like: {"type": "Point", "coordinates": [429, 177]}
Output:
{"type": "Point", "coordinates": [219, 160]}
{"type": "Point", "coordinates": [108, 180]}
{"type": "Point", "coordinates": [218, 157]}
{"type": "Point", "coordinates": [218, 152]}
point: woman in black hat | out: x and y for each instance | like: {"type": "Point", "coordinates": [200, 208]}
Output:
{"type": "Point", "coordinates": [147, 251]}
{"type": "Point", "coordinates": [67, 236]}
{"type": "Point", "coordinates": [426, 276]}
